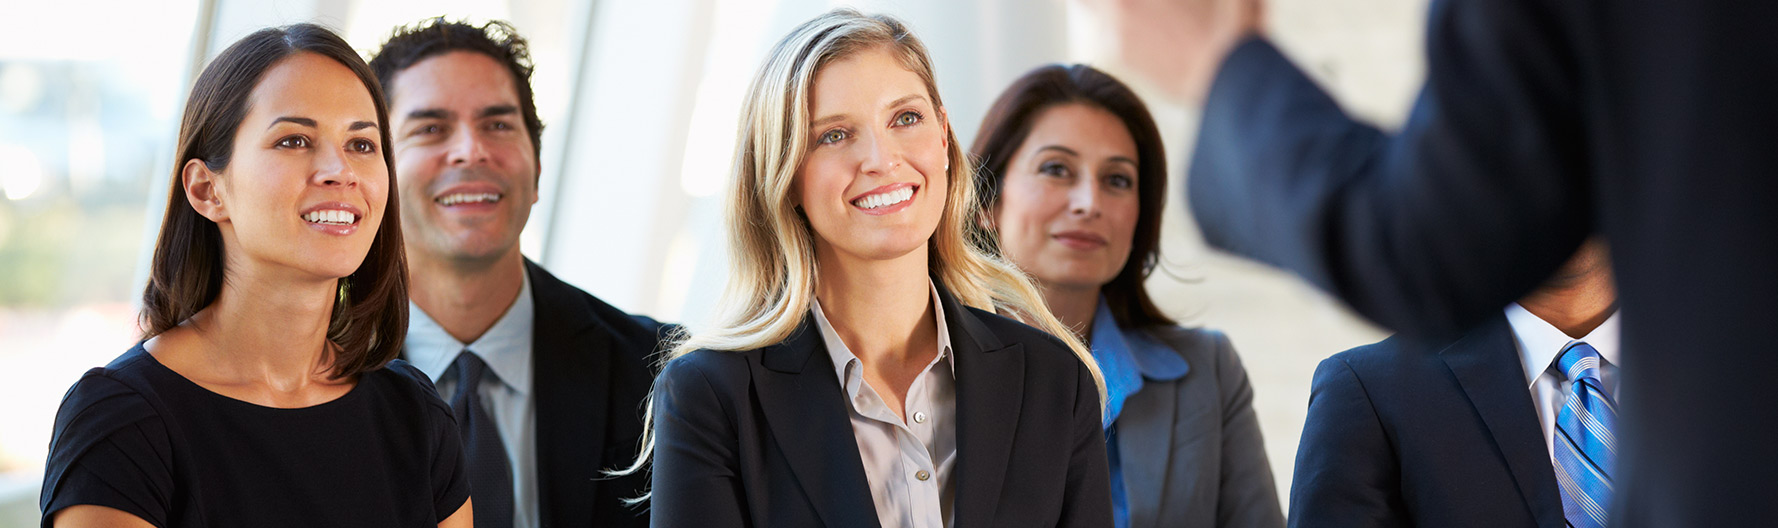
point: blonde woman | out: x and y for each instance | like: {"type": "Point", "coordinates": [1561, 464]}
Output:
{"type": "Point", "coordinates": [859, 374]}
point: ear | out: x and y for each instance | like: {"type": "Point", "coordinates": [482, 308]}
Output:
{"type": "Point", "coordinates": [202, 190]}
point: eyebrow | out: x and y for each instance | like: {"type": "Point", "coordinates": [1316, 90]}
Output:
{"type": "Point", "coordinates": [429, 113]}
{"type": "Point", "coordinates": [304, 121]}
{"type": "Point", "coordinates": [898, 102]}
{"type": "Point", "coordinates": [498, 110]}
{"type": "Point", "coordinates": [360, 125]}
{"type": "Point", "coordinates": [1071, 152]}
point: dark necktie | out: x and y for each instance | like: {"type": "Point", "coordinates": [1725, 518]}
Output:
{"type": "Point", "coordinates": [490, 474]}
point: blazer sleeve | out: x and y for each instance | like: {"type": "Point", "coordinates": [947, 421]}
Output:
{"type": "Point", "coordinates": [696, 480]}
{"type": "Point", "coordinates": [1346, 469]}
{"type": "Point", "coordinates": [1480, 196]}
{"type": "Point", "coordinates": [1247, 495]}
{"type": "Point", "coordinates": [1088, 489]}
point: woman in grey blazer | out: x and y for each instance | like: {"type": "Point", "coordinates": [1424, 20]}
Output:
{"type": "Point", "coordinates": [1073, 179]}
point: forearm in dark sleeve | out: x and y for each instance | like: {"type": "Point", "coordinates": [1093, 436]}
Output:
{"type": "Point", "coordinates": [1480, 196]}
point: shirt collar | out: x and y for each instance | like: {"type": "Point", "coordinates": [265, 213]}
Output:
{"type": "Point", "coordinates": [1126, 358]}
{"type": "Point", "coordinates": [843, 358]}
{"type": "Point", "coordinates": [505, 347]}
{"type": "Point", "coordinates": [1154, 360]}
{"type": "Point", "coordinates": [1539, 341]}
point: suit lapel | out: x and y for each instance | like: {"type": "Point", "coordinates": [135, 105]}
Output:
{"type": "Point", "coordinates": [1487, 365]}
{"type": "Point", "coordinates": [806, 410]}
{"type": "Point", "coordinates": [1145, 443]}
{"type": "Point", "coordinates": [990, 391]}
{"type": "Point", "coordinates": [570, 366]}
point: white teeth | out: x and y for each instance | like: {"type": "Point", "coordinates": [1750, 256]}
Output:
{"type": "Point", "coordinates": [454, 199]}
{"type": "Point", "coordinates": [885, 199]}
{"type": "Point", "coordinates": [331, 216]}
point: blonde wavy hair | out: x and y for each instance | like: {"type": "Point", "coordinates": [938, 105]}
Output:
{"type": "Point", "coordinates": [773, 267]}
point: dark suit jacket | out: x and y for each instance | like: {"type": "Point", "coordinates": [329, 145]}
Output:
{"type": "Point", "coordinates": [762, 438]}
{"type": "Point", "coordinates": [1191, 448]}
{"type": "Point", "coordinates": [590, 374]}
{"type": "Point", "coordinates": [1541, 122]}
{"type": "Point", "coordinates": [1413, 433]}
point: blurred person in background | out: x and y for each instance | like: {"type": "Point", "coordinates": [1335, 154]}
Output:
{"type": "Point", "coordinates": [1073, 181]}
{"type": "Point", "coordinates": [546, 380]}
{"type": "Point", "coordinates": [858, 374]}
{"type": "Point", "coordinates": [1541, 123]}
{"type": "Point", "coordinates": [1486, 430]}
{"type": "Point", "coordinates": [265, 393]}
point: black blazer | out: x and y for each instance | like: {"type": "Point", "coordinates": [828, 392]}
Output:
{"type": "Point", "coordinates": [1542, 122]}
{"type": "Point", "coordinates": [590, 374]}
{"type": "Point", "coordinates": [1411, 433]}
{"type": "Point", "coordinates": [762, 438]}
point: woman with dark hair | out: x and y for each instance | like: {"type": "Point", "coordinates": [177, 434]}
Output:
{"type": "Point", "coordinates": [1073, 181]}
{"type": "Point", "coordinates": [264, 392]}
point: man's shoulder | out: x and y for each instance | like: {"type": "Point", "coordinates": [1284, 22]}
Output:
{"type": "Point", "coordinates": [559, 302]}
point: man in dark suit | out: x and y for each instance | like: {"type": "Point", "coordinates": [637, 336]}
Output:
{"type": "Point", "coordinates": [1541, 122]}
{"type": "Point", "coordinates": [545, 380]}
{"type": "Point", "coordinates": [1409, 432]}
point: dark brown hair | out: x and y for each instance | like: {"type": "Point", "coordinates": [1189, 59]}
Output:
{"type": "Point", "coordinates": [437, 36]}
{"type": "Point", "coordinates": [369, 318]}
{"type": "Point", "coordinates": [1010, 120]}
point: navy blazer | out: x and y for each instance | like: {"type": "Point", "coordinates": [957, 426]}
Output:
{"type": "Point", "coordinates": [589, 374]}
{"type": "Point", "coordinates": [1542, 122]}
{"type": "Point", "coordinates": [1412, 433]}
{"type": "Point", "coordinates": [763, 437]}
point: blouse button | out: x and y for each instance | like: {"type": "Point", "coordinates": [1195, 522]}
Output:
{"type": "Point", "coordinates": [922, 475]}
{"type": "Point", "coordinates": [919, 417]}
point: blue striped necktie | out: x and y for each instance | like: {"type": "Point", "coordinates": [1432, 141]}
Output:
{"type": "Point", "coordinates": [1585, 448]}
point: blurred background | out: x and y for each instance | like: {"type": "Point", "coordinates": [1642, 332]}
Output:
{"type": "Point", "coordinates": [640, 99]}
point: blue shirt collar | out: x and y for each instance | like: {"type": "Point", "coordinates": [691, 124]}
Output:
{"type": "Point", "coordinates": [1126, 358]}
{"type": "Point", "coordinates": [505, 347]}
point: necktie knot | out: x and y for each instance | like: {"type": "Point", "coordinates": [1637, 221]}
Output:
{"type": "Point", "coordinates": [1580, 362]}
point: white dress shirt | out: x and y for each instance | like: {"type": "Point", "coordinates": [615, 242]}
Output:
{"type": "Point", "coordinates": [907, 463]}
{"type": "Point", "coordinates": [1539, 342]}
{"type": "Point", "coordinates": [506, 349]}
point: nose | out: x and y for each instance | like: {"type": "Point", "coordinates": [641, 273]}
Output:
{"type": "Point", "coordinates": [1084, 197]}
{"type": "Point", "coordinates": [332, 169]}
{"type": "Point", "coordinates": [467, 148]}
{"type": "Point", "coordinates": [882, 155]}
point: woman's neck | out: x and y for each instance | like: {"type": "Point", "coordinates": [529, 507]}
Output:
{"type": "Point", "coordinates": [266, 328]}
{"type": "Point", "coordinates": [882, 309]}
{"type": "Point", "coordinates": [1075, 306]}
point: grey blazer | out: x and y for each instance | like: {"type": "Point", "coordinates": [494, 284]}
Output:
{"type": "Point", "coordinates": [1191, 448]}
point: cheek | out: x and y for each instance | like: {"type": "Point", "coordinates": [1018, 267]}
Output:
{"type": "Point", "coordinates": [1024, 217]}
{"type": "Point", "coordinates": [1121, 215]}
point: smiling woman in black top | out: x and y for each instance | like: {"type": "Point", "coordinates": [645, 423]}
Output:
{"type": "Point", "coordinates": [264, 394]}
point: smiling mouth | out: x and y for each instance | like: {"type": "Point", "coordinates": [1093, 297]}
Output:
{"type": "Point", "coordinates": [333, 217]}
{"type": "Point", "coordinates": [885, 199]}
{"type": "Point", "coordinates": [467, 198]}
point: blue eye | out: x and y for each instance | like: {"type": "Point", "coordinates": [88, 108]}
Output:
{"type": "Point", "coordinates": [907, 118]}
{"type": "Point", "coordinates": [832, 136]}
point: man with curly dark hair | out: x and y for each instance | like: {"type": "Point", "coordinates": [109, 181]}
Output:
{"type": "Point", "coordinates": [546, 381]}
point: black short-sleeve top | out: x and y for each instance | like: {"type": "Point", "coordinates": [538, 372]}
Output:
{"type": "Point", "coordinates": [138, 437]}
